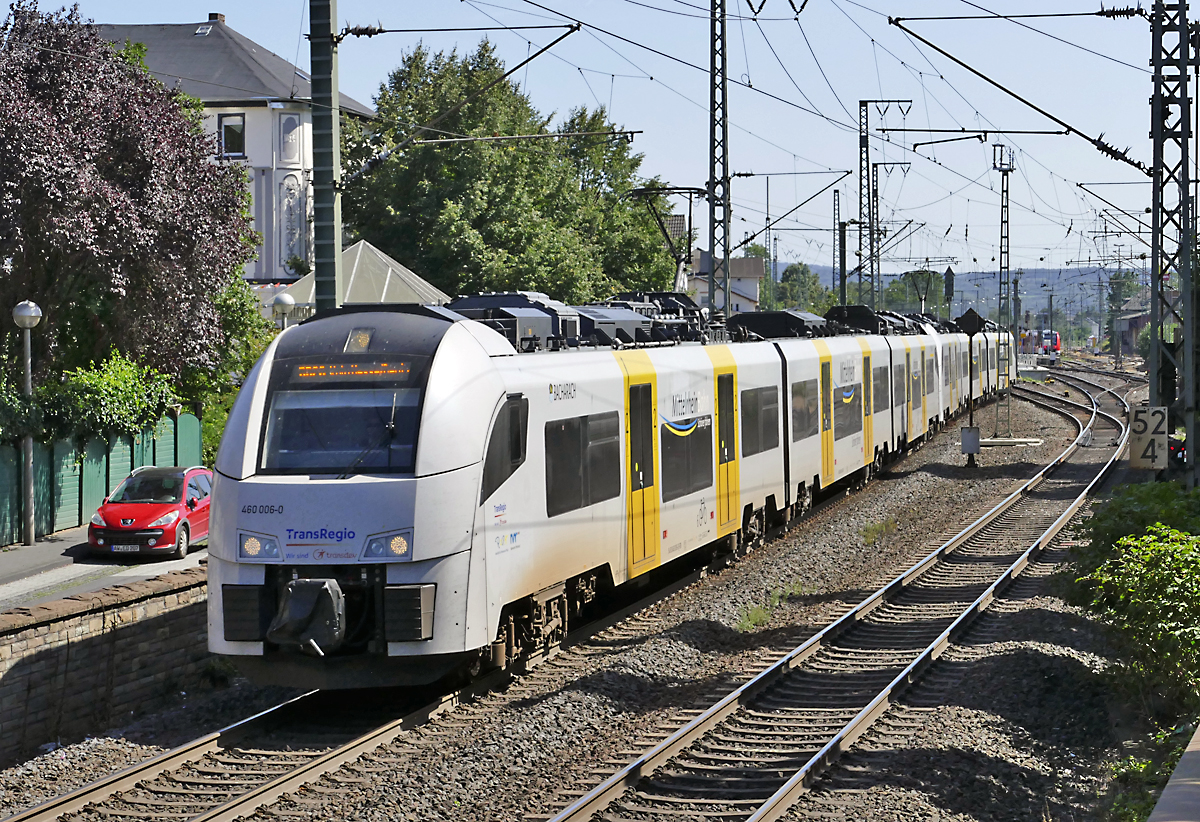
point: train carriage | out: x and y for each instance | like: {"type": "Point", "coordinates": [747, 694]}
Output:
{"type": "Point", "coordinates": [403, 493]}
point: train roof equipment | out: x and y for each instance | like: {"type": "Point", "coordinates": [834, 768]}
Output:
{"type": "Point", "coordinates": [529, 319]}
{"type": "Point", "coordinates": [791, 322]}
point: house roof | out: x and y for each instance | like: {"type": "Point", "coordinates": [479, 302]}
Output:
{"type": "Point", "coordinates": [220, 66]}
{"type": "Point", "coordinates": [370, 277]}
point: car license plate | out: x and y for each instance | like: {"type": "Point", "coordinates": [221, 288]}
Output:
{"type": "Point", "coordinates": [126, 548]}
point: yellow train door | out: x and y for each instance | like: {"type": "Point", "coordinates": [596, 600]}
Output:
{"type": "Point", "coordinates": [641, 455]}
{"type": "Point", "coordinates": [729, 488]}
{"type": "Point", "coordinates": [868, 405]}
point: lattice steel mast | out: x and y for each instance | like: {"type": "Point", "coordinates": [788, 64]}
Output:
{"type": "Point", "coordinates": [1002, 162]}
{"type": "Point", "coordinates": [1172, 365]}
{"type": "Point", "coordinates": [867, 224]}
{"type": "Point", "coordinates": [718, 160]}
{"type": "Point", "coordinates": [838, 251]}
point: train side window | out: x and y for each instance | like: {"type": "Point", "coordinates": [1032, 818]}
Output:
{"type": "Point", "coordinates": [760, 420]}
{"type": "Point", "coordinates": [806, 417]}
{"type": "Point", "coordinates": [603, 470]}
{"type": "Point", "coordinates": [847, 410]}
{"type": "Point", "coordinates": [898, 382]}
{"type": "Point", "coordinates": [826, 395]}
{"type": "Point", "coordinates": [583, 461]}
{"type": "Point", "coordinates": [687, 457]}
{"type": "Point", "coordinates": [946, 368]}
{"type": "Point", "coordinates": [964, 369]}
{"type": "Point", "coordinates": [880, 398]}
{"type": "Point", "coordinates": [930, 376]}
{"type": "Point", "coordinates": [506, 448]}
{"type": "Point", "coordinates": [564, 466]}
{"type": "Point", "coordinates": [866, 386]}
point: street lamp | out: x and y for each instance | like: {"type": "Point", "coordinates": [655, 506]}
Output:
{"type": "Point", "coordinates": [27, 315]}
{"type": "Point", "coordinates": [283, 304]}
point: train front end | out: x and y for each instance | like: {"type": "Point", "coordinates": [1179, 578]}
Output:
{"type": "Point", "coordinates": [344, 492]}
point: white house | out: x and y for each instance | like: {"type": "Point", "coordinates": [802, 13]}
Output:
{"type": "Point", "coordinates": [745, 276]}
{"type": "Point", "coordinates": [260, 107]}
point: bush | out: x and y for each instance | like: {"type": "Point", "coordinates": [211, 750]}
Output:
{"type": "Point", "coordinates": [116, 397]}
{"type": "Point", "coordinates": [1131, 511]}
{"type": "Point", "coordinates": [1149, 591]}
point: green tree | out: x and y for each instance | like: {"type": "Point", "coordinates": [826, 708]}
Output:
{"type": "Point", "coordinates": [903, 294]}
{"type": "Point", "coordinates": [116, 216]}
{"type": "Point", "coordinates": [800, 287]}
{"type": "Point", "coordinates": [1121, 286]}
{"type": "Point", "coordinates": [548, 215]}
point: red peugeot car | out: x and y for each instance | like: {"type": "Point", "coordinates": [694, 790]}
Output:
{"type": "Point", "coordinates": [154, 511]}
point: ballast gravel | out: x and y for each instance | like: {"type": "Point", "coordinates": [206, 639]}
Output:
{"type": "Point", "coordinates": [511, 753]}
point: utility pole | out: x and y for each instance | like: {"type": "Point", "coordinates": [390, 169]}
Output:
{"type": "Point", "coordinates": [1002, 162]}
{"type": "Point", "coordinates": [1172, 365]}
{"type": "Point", "coordinates": [718, 159]}
{"type": "Point", "coordinates": [839, 239]}
{"type": "Point", "coordinates": [865, 187]}
{"type": "Point", "coordinates": [327, 155]}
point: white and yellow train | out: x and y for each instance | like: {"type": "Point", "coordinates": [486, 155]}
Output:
{"type": "Point", "coordinates": [400, 493]}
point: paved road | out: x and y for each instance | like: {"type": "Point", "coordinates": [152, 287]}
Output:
{"type": "Point", "coordinates": [59, 566]}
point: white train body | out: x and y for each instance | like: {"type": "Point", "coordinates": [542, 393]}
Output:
{"type": "Point", "coordinates": [456, 492]}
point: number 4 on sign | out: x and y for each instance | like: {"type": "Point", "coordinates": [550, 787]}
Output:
{"type": "Point", "coordinates": [1148, 440]}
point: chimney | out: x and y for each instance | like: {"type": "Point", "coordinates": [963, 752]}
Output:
{"type": "Point", "coordinates": [214, 17]}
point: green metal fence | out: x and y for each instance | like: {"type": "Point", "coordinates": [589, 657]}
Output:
{"type": "Point", "coordinates": [70, 485]}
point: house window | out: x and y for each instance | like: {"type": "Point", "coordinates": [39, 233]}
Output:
{"type": "Point", "coordinates": [231, 128]}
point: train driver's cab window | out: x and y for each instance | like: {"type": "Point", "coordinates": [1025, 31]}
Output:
{"type": "Point", "coordinates": [760, 420]}
{"type": "Point", "coordinates": [583, 461]}
{"type": "Point", "coordinates": [506, 446]}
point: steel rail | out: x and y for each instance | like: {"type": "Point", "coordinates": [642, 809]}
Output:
{"type": "Point", "coordinates": [195, 750]}
{"type": "Point", "coordinates": [148, 769]}
{"type": "Point", "coordinates": [611, 788]}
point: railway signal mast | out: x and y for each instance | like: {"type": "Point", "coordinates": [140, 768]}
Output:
{"type": "Point", "coordinates": [1172, 365]}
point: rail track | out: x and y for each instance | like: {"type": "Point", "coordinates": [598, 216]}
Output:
{"type": "Point", "coordinates": [229, 774]}
{"type": "Point", "coordinates": [750, 755]}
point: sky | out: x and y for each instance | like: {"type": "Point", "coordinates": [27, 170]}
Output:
{"type": "Point", "coordinates": [795, 85]}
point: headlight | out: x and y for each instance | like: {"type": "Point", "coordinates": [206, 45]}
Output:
{"type": "Point", "coordinates": [257, 547]}
{"type": "Point", "coordinates": [397, 546]}
{"type": "Point", "coordinates": [98, 520]}
{"type": "Point", "coordinates": [165, 519]}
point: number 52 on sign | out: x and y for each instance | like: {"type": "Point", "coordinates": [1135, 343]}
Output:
{"type": "Point", "coordinates": [1148, 438]}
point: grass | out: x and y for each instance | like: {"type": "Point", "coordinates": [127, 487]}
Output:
{"type": "Point", "coordinates": [1137, 782]}
{"type": "Point", "coordinates": [756, 616]}
{"type": "Point", "coordinates": [874, 533]}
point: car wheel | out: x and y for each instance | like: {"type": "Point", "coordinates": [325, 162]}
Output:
{"type": "Point", "coordinates": [181, 542]}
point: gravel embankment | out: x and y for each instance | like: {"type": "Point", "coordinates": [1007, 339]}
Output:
{"type": "Point", "coordinates": [508, 754]}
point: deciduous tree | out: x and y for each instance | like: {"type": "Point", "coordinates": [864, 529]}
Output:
{"type": "Point", "coordinates": [115, 215]}
{"type": "Point", "coordinates": [547, 215]}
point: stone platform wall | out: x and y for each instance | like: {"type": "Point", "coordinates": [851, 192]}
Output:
{"type": "Point", "coordinates": [87, 663]}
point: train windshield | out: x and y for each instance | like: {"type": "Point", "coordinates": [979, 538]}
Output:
{"type": "Point", "coordinates": [343, 415]}
{"type": "Point", "coordinates": [346, 431]}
